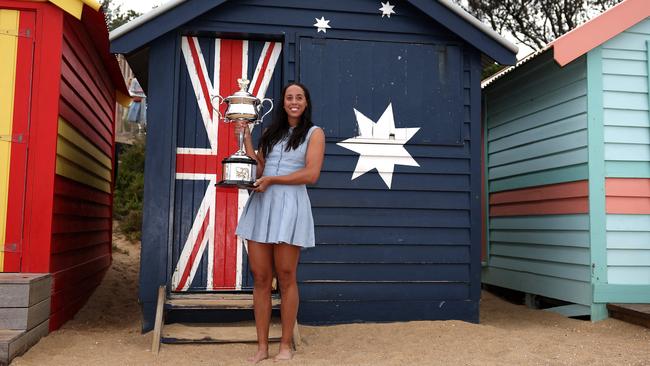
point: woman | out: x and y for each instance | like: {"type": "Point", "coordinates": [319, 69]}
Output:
{"type": "Point", "coordinates": [277, 220]}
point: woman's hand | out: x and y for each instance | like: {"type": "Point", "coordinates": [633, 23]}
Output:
{"type": "Point", "coordinates": [241, 125]}
{"type": "Point", "coordinates": [262, 184]}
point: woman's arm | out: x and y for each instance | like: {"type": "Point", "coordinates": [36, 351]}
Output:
{"type": "Point", "coordinates": [307, 175]}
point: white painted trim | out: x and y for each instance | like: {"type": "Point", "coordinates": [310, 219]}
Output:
{"type": "Point", "coordinates": [258, 67]}
{"type": "Point", "coordinates": [204, 209]}
{"type": "Point", "coordinates": [196, 176]}
{"type": "Point", "coordinates": [210, 127]}
{"type": "Point", "coordinates": [195, 151]}
{"type": "Point", "coordinates": [268, 72]}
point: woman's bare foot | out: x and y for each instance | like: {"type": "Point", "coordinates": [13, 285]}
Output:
{"type": "Point", "coordinates": [284, 355]}
{"type": "Point", "coordinates": [259, 356]}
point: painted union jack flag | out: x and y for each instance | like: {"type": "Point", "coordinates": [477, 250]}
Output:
{"type": "Point", "coordinates": [213, 224]}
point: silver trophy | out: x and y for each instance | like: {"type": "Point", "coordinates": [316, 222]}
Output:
{"type": "Point", "coordinates": [239, 170]}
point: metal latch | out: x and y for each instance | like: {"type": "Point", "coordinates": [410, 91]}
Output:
{"type": "Point", "coordinates": [11, 32]}
{"type": "Point", "coordinates": [18, 138]}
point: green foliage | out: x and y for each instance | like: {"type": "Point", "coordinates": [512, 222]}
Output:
{"type": "Point", "coordinates": [491, 70]}
{"type": "Point", "coordinates": [115, 16]}
{"type": "Point", "coordinates": [129, 190]}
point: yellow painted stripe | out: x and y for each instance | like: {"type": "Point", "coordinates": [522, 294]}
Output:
{"type": "Point", "coordinates": [73, 7]}
{"type": "Point", "coordinates": [82, 143]}
{"type": "Point", "coordinates": [67, 150]}
{"type": "Point", "coordinates": [9, 21]}
{"type": "Point", "coordinates": [69, 170]}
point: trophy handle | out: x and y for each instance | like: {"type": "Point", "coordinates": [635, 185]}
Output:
{"type": "Point", "coordinates": [270, 109]}
{"type": "Point", "coordinates": [216, 109]}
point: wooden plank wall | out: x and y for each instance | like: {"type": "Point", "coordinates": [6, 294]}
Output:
{"type": "Point", "coordinates": [378, 251]}
{"type": "Point", "coordinates": [537, 157]}
{"type": "Point", "coordinates": [81, 232]}
{"type": "Point", "coordinates": [626, 117]}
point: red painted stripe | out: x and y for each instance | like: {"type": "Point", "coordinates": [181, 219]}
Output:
{"type": "Point", "coordinates": [195, 249]}
{"type": "Point", "coordinates": [628, 196]}
{"type": "Point", "coordinates": [540, 193]}
{"type": "Point", "coordinates": [70, 189]}
{"type": "Point", "coordinates": [75, 241]}
{"type": "Point", "coordinates": [199, 72]}
{"type": "Point", "coordinates": [265, 65]}
{"type": "Point", "coordinates": [628, 205]}
{"type": "Point", "coordinates": [18, 167]}
{"type": "Point", "coordinates": [225, 258]}
{"type": "Point", "coordinates": [552, 207]}
{"type": "Point", "coordinates": [199, 164]}
{"type": "Point", "coordinates": [627, 187]}
{"type": "Point", "coordinates": [563, 198]}
{"type": "Point", "coordinates": [230, 260]}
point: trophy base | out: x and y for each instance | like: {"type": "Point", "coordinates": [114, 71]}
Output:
{"type": "Point", "coordinates": [235, 184]}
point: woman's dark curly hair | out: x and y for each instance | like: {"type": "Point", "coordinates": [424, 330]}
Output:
{"type": "Point", "coordinates": [279, 128]}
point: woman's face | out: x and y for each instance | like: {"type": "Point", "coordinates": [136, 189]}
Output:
{"type": "Point", "coordinates": [295, 103]}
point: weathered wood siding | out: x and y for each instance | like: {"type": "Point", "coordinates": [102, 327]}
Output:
{"type": "Point", "coordinates": [536, 171]}
{"type": "Point", "coordinates": [81, 228]}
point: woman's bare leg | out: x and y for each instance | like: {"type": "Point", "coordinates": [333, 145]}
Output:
{"type": "Point", "coordinates": [260, 257]}
{"type": "Point", "coordinates": [286, 262]}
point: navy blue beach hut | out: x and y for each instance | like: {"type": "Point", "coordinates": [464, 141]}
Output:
{"type": "Point", "coordinates": [396, 88]}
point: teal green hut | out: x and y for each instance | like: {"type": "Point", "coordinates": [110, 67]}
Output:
{"type": "Point", "coordinates": [567, 154]}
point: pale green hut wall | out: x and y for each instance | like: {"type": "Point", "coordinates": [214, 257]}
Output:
{"type": "Point", "coordinates": [536, 123]}
{"type": "Point", "coordinates": [536, 135]}
{"type": "Point", "coordinates": [626, 118]}
{"type": "Point", "coordinates": [625, 103]}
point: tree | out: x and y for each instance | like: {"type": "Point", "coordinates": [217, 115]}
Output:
{"type": "Point", "coordinates": [535, 22]}
{"type": "Point", "coordinates": [115, 16]}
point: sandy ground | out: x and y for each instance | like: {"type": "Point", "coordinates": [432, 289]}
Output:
{"type": "Point", "coordinates": [107, 332]}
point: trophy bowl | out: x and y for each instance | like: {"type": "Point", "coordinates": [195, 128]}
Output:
{"type": "Point", "coordinates": [239, 170]}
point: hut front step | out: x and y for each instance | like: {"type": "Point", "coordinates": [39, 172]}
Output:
{"type": "Point", "coordinates": [632, 313]}
{"type": "Point", "coordinates": [239, 332]}
{"type": "Point", "coordinates": [14, 343]}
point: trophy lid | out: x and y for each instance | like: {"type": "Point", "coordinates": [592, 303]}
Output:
{"type": "Point", "coordinates": [243, 90]}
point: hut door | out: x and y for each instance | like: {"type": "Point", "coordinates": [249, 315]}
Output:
{"type": "Point", "coordinates": [206, 254]}
{"type": "Point", "coordinates": [17, 45]}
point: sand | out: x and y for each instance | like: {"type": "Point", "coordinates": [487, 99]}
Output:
{"type": "Point", "coordinates": [107, 332]}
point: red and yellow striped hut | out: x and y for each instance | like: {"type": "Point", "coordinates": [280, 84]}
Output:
{"type": "Point", "coordinates": [58, 89]}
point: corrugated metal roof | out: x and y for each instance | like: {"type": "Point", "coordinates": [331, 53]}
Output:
{"type": "Point", "coordinates": [486, 82]}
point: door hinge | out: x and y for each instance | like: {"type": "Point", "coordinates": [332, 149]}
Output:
{"type": "Point", "coordinates": [11, 247]}
{"type": "Point", "coordinates": [18, 138]}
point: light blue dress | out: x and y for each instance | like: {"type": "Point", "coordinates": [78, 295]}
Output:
{"type": "Point", "coordinates": [282, 213]}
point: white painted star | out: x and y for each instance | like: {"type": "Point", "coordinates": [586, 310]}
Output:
{"type": "Point", "coordinates": [387, 9]}
{"type": "Point", "coordinates": [380, 145]}
{"type": "Point", "coordinates": [322, 24]}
